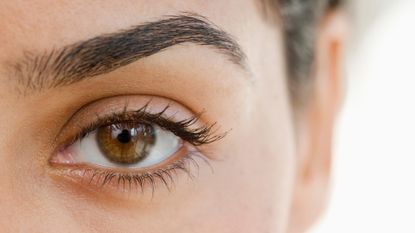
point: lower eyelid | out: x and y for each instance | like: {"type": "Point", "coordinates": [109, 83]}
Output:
{"type": "Point", "coordinates": [107, 181]}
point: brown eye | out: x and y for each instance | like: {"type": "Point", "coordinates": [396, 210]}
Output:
{"type": "Point", "coordinates": [124, 144]}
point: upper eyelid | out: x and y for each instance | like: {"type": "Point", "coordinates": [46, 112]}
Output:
{"type": "Point", "coordinates": [202, 131]}
{"type": "Point", "coordinates": [125, 116]}
{"type": "Point", "coordinates": [202, 134]}
{"type": "Point", "coordinates": [89, 107]}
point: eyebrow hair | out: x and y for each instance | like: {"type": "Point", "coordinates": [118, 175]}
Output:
{"type": "Point", "coordinates": [107, 52]}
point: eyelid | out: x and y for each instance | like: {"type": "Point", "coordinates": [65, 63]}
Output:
{"type": "Point", "coordinates": [90, 113]}
{"type": "Point", "coordinates": [119, 181]}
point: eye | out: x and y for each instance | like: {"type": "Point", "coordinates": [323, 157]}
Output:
{"type": "Point", "coordinates": [126, 145]}
{"type": "Point", "coordinates": [109, 143]}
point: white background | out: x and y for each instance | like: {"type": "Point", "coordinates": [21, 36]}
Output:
{"type": "Point", "coordinates": [374, 169]}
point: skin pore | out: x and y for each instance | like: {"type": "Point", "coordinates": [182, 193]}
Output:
{"type": "Point", "coordinates": [66, 65]}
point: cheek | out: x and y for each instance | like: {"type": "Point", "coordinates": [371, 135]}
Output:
{"type": "Point", "coordinates": [261, 166]}
{"type": "Point", "coordinates": [252, 185]}
{"type": "Point", "coordinates": [255, 187]}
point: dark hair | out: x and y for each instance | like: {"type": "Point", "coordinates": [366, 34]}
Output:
{"type": "Point", "coordinates": [299, 21]}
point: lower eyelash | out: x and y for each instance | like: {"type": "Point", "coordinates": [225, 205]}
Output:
{"type": "Point", "coordinates": [128, 181]}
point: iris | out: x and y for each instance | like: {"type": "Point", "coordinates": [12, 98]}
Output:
{"type": "Point", "coordinates": [126, 144]}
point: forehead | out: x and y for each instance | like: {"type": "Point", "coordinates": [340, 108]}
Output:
{"type": "Point", "coordinates": [39, 24]}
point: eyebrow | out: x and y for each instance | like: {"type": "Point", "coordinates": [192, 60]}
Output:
{"type": "Point", "coordinates": [107, 52]}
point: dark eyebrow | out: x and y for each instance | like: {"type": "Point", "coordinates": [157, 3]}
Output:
{"type": "Point", "coordinates": [105, 53]}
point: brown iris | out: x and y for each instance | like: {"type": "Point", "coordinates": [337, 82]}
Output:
{"type": "Point", "coordinates": [126, 144]}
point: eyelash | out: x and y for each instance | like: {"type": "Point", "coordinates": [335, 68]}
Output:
{"type": "Point", "coordinates": [205, 134]}
{"type": "Point", "coordinates": [184, 129]}
{"type": "Point", "coordinates": [166, 175]}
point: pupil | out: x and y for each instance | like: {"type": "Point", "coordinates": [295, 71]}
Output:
{"type": "Point", "coordinates": [124, 136]}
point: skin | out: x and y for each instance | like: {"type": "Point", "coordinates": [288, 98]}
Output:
{"type": "Point", "coordinates": [270, 172]}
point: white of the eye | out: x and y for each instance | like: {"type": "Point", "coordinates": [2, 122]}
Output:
{"type": "Point", "coordinates": [87, 150]}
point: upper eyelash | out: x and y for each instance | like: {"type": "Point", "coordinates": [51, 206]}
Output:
{"type": "Point", "coordinates": [205, 134]}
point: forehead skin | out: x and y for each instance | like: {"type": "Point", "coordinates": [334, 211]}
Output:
{"type": "Point", "coordinates": [53, 22]}
{"type": "Point", "coordinates": [251, 185]}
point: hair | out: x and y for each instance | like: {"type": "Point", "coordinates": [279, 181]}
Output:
{"type": "Point", "coordinates": [299, 22]}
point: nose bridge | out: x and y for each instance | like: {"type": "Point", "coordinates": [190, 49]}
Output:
{"type": "Point", "coordinates": [26, 206]}
{"type": "Point", "coordinates": [19, 211]}
{"type": "Point", "coordinates": [18, 208]}
{"type": "Point", "coordinates": [9, 200]}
